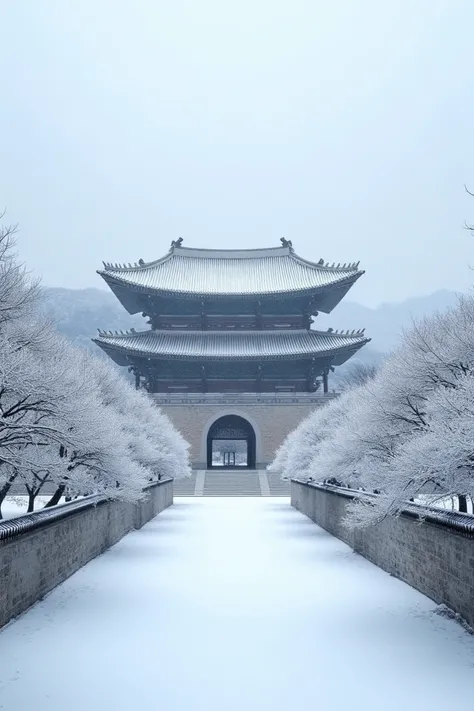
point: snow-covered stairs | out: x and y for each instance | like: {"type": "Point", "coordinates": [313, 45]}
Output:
{"type": "Point", "coordinates": [185, 487]}
{"type": "Point", "coordinates": [231, 482]}
{"type": "Point", "coordinates": [277, 486]}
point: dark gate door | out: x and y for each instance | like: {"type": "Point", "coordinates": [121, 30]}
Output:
{"type": "Point", "coordinates": [231, 443]}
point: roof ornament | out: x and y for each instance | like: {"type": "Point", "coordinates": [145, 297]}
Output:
{"type": "Point", "coordinates": [141, 262]}
{"type": "Point", "coordinates": [321, 262]}
{"type": "Point", "coordinates": [330, 330]}
{"type": "Point", "coordinates": [176, 243]}
{"type": "Point", "coordinates": [286, 243]}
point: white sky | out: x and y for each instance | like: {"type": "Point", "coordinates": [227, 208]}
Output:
{"type": "Point", "coordinates": [343, 125]}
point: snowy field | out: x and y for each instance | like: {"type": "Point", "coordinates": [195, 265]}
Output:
{"type": "Point", "coordinates": [449, 503]}
{"type": "Point", "coordinates": [17, 506]}
{"type": "Point", "coordinates": [236, 604]}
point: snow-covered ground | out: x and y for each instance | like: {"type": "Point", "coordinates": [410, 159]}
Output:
{"type": "Point", "coordinates": [18, 505]}
{"type": "Point", "coordinates": [234, 604]}
{"type": "Point", "coordinates": [449, 503]}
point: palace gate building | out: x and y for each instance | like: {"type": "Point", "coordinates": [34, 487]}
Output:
{"type": "Point", "coordinates": [230, 353]}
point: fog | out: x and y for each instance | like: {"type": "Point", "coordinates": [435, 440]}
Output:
{"type": "Point", "coordinates": [343, 126]}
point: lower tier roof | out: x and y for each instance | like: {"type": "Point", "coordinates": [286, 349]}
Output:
{"type": "Point", "coordinates": [230, 345]}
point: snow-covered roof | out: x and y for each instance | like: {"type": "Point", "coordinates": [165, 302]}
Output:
{"type": "Point", "coordinates": [230, 345]}
{"type": "Point", "coordinates": [230, 272]}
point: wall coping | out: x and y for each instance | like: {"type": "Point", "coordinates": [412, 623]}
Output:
{"type": "Point", "coordinates": [183, 398]}
{"type": "Point", "coordinates": [460, 523]}
{"type": "Point", "coordinates": [13, 527]}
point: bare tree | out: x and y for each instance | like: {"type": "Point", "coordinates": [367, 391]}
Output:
{"type": "Point", "coordinates": [357, 374]}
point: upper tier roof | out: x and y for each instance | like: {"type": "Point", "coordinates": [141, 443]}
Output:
{"type": "Point", "coordinates": [230, 272]}
{"type": "Point", "coordinates": [230, 345]}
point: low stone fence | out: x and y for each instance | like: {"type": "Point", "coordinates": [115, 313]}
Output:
{"type": "Point", "coordinates": [40, 550]}
{"type": "Point", "coordinates": [435, 556]}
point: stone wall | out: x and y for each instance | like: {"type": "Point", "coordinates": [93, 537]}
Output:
{"type": "Point", "coordinates": [40, 550]}
{"type": "Point", "coordinates": [271, 422]}
{"type": "Point", "coordinates": [436, 557]}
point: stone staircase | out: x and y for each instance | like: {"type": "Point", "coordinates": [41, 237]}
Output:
{"type": "Point", "coordinates": [278, 487]}
{"type": "Point", "coordinates": [231, 482]}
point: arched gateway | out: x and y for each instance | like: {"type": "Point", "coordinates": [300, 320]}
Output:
{"type": "Point", "coordinates": [231, 443]}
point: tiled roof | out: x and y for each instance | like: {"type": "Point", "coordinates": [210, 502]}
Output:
{"type": "Point", "coordinates": [249, 272]}
{"type": "Point", "coordinates": [231, 345]}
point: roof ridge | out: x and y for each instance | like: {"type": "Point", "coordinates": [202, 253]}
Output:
{"type": "Point", "coordinates": [286, 250]}
{"type": "Point", "coordinates": [250, 253]}
{"type": "Point", "coordinates": [138, 266]}
{"type": "Point", "coordinates": [112, 334]}
{"type": "Point", "coordinates": [341, 332]}
{"type": "Point", "coordinates": [348, 266]}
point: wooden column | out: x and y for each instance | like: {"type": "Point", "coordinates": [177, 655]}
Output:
{"type": "Point", "coordinates": [310, 387]}
{"type": "Point", "coordinates": [203, 379]}
{"type": "Point", "coordinates": [326, 380]}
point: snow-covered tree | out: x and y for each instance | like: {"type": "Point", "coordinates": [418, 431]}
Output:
{"type": "Point", "coordinates": [67, 418]}
{"type": "Point", "coordinates": [152, 439]}
{"type": "Point", "coordinates": [299, 452]}
{"type": "Point", "coordinates": [408, 431]}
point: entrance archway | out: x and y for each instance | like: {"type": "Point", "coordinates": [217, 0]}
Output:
{"type": "Point", "coordinates": [231, 444]}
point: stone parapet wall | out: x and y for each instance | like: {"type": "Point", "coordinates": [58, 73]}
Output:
{"type": "Point", "coordinates": [436, 557]}
{"type": "Point", "coordinates": [40, 550]}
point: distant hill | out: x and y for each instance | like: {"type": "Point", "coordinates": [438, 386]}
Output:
{"type": "Point", "coordinates": [78, 314]}
{"type": "Point", "coordinates": [384, 324]}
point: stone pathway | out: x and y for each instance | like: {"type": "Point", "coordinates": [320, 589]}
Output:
{"type": "Point", "coordinates": [233, 603]}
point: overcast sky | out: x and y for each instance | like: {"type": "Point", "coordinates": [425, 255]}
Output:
{"type": "Point", "coordinates": [345, 126]}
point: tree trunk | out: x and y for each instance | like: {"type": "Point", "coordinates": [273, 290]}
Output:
{"type": "Point", "coordinates": [4, 491]}
{"type": "Point", "coordinates": [31, 501]}
{"type": "Point", "coordinates": [462, 500]}
{"type": "Point", "coordinates": [56, 496]}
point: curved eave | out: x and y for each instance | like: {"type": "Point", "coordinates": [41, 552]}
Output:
{"type": "Point", "coordinates": [122, 354]}
{"type": "Point", "coordinates": [127, 292]}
